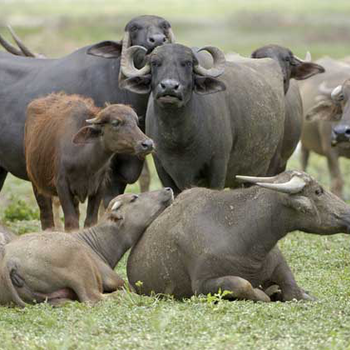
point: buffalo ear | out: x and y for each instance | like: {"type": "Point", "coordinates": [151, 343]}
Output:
{"type": "Point", "coordinates": [207, 85]}
{"type": "Point", "coordinates": [87, 134]}
{"type": "Point", "coordinates": [302, 70]}
{"type": "Point", "coordinates": [138, 85]}
{"type": "Point", "coordinates": [106, 49]}
{"type": "Point", "coordinates": [300, 203]}
{"type": "Point", "coordinates": [325, 110]}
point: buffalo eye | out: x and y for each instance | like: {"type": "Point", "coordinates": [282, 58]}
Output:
{"type": "Point", "coordinates": [165, 25]}
{"type": "Point", "coordinates": [186, 64]}
{"type": "Point", "coordinates": [319, 191]}
{"type": "Point", "coordinates": [134, 197]}
{"type": "Point", "coordinates": [155, 63]}
{"type": "Point", "coordinates": [116, 123]}
{"type": "Point", "coordinates": [134, 28]}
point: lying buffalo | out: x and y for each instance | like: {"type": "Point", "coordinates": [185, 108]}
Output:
{"type": "Point", "coordinates": [57, 267]}
{"type": "Point", "coordinates": [78, 73]}
{"type": "Point", "coordinates": [69, 145]}
{"type": "Point", "coordinates": [210, 240]}
{"type": "Point", "coordinates": [321, 114]}
{"type": "Point", "coordinates": [210, 124]}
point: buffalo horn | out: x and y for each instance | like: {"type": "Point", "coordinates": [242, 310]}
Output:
{"type": "Point", "coordinates": [23, 48]}
{"type": "Point", "coordinates": [293, 186]}
{"type": "Point", "coordinates": [306, 59]}
{"type": "Point", "coordinates": [324, 89]}
{"type": "Point", "coordinates": [337, 93]}
{"type": "Point", "coordinates": [93, 121]}
{"type": "Point", "coordinates": [218, 65]}
{"type": "Point", "coordinates": [127, 64]}
{"type": "Point", "coordinates": [8, 47]}
{"type": "Point", "coordinates": [255, 179]}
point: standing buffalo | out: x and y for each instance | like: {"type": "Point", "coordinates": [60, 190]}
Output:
{"type": "Point", "coordinates": [210, 124]}
{"type": "Point", "coordinates": [78, 73]}
{"type": "Point", "coordinates": [209, 240]}
{"type": "Point", "coordinates": [321, 114]}
{"type": "Point", "coordinates": [292, 68]}
{"type": "Point", "coordinates": [69, 144]}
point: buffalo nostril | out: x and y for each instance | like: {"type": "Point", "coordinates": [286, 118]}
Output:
{"type": "Point", "coordinates": [164, 39]}
{"type": "Point", "coordinates": [176, 86]}
{"type": "Point", "coordinates": [168, 189]}
{"type": "Point", "coordinates": [147, 145]}
{"type": "Point", "coordinates": [151, 40]}
{"type": "Point", "coordinates": [347, 132]}
{"type": "Point", "coordinates": [162, 85]}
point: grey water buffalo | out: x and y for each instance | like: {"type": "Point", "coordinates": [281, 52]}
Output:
{"type": "Point", "coordinates": [57, 267]}
{"type": "Point", "coordinates": [293, 68]}
{"type": "Point", "coordinates": [78, 73]}
{"type": "Point", "coordinates": [212, 240]}
{"type": "Point", "coordinates": [69, 144]}
{"type": "Point", "coordinates": [319, 110]}
{"type": "Point", "coordinates": [210, 124]}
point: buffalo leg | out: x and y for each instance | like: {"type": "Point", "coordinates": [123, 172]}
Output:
{"type": "Point", "coordinates": [217, 175]}
{"type": "Point", "coordinates": [92, 209]}
{"type": "Point", "coordinates": [238, 287]}
{"type": "Point", "coordinates": [45, 207]}
{"type": "Point", "coordinates": [145, 177]}
{"type": "Point", "coordinates": [56, 213]}
{"type": "Point", "coordinates": [165, 178]}
{"type": "Point", "coordinates": [304, 157]}
{"type": "Point", "coordinates": [336, 177]}
{"type": "Point", "coordinates": [284, 278]}
{"type": "Point", "coordinates": [3, 174]}
{"type": "Point", "coordinates": [69, 206]}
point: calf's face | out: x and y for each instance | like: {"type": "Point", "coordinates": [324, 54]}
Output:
{"type": "Point", "coordinates": [116, 128]}
{"type": "Point", "coordinates": [136, 212]}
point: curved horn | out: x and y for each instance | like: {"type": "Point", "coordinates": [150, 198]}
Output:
{"type": "Point", "coordinates": [324, 89]}
{"type": "Point", "coordinates": [293, 186]}
{"type": "Point", "coordinates": [306, 59]}
{"type": "Point", "coordinates": [337, 93]}
{"type": "Point", "coordinates": [255, 179]}
{"type": "Point", "coordinates": [93, 120]}
{"type": "Point", "coordinates": [127, 66]}
{"type": "Point", "coordinates": [23, 48]}
{"type": "Point", "coordinates": [8, 47]}
{"type": "Point", "coordinates": [171, 36]}
{"type": "Point", "coordinates": [218, 65]}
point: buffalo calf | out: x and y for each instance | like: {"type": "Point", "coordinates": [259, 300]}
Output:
{"type": "Point", "coordinates": [69, 144]}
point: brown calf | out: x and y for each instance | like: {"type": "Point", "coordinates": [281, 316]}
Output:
{"type": "Point", "coordinates": [69, 143]}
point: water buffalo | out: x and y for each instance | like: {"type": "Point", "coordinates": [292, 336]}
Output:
{"type": "Point", "coordinates": [210, 124]}
{"type": "Point", "coordinates": [297, 69]}
{"type": "Point", "coordinates": [319, 110]}
{"type": "Point", "coordinates": [57, 266]}
{"type": "Point", "coordinates": [78, 73]}
{"type": "Point", "coordinates": [69, 144]}
{"type": "Point", "coordinates": [226, 240]}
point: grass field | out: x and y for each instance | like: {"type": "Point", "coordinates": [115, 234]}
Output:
{"type": "Point", "coordinates": [321, 264]}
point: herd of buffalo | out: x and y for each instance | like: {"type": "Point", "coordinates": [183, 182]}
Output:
{"type": "Point", "coordinates": [79, 127]}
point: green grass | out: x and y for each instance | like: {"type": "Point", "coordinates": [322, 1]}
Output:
{"type": "Point", "coordinates": [321, 264]}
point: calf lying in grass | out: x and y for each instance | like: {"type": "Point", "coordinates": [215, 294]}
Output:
{"type": "Point", "coordinates": [210, 240]}
{"type": "Point", "coordinates": [57, 266]}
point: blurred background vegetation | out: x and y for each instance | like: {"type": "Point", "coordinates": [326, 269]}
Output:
{"type": "Point", "coordinates": [56, 28]}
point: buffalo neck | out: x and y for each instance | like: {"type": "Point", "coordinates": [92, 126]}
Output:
{"type": "Point", "coordinates": [107, 240]}
{"type": "Point", "coordinates": [179, 126]}
{"type": "Point", "coordinates": [270, 222]}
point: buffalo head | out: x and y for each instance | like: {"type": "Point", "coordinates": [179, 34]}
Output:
{"type": "Point", "coordinates": [292, 66]}
{"type": "Point", "coordinates": [333, 105]}
{"type": "Point", "coordinates": [172, 73]}
{"type": "Point", "coordinates": [310, 207]}
{"type": "Point", "coordinates": [146, 31]}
